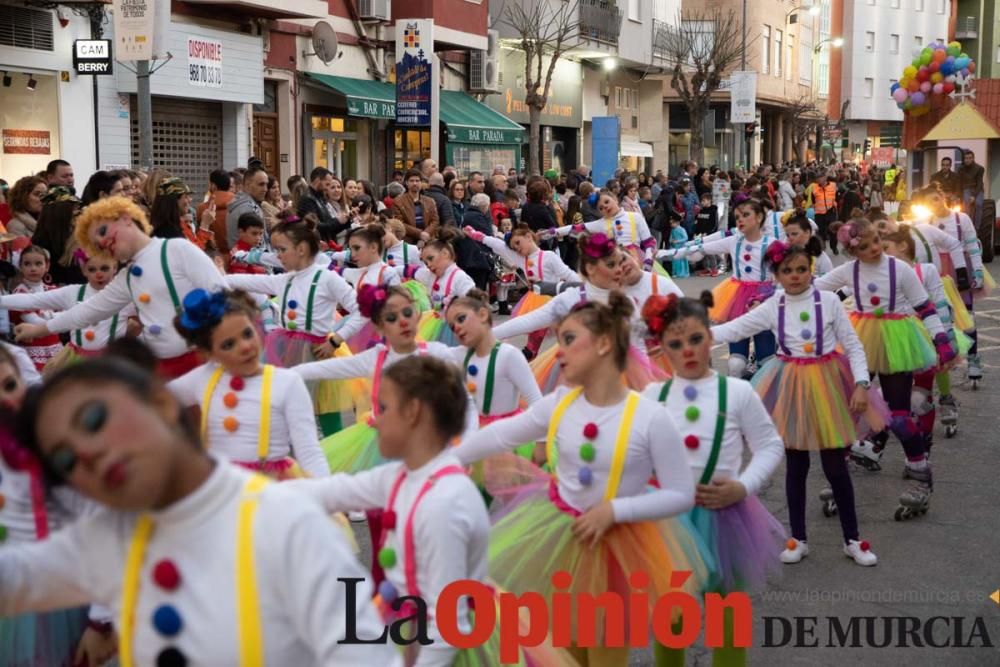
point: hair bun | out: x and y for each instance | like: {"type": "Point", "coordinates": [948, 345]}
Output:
{"type": "Point", "coordinates": [620, 305]}
{"type": "Point", "coordinates": [707, 299]}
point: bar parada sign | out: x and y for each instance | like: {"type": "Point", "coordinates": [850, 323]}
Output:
{"type": "Point", "coordinates": [93, 56]}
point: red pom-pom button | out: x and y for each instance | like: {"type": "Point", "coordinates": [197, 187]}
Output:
{"type": "Point", "coordinates": [237, 383]}
{"type": "Point", "coordinates": [437, 286]}
{"type": "Point", "coordinates": [590, 431]}
{"type": "Point", "coordinates": [166, 575]}
{"type": "Point", "coordinates": [876, 301]}
{"type": "Point", "coordinates": [388, 520]}
{"type": "Point", "coordinates": [747, 257]}
{"type": "Point", "coordinates": [864, 545]}
{"type": "Point", "coordinates": [692, 442]}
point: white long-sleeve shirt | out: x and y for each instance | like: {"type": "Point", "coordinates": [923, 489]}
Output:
{"type": "Point", "coordinates": [836, 328]}
{"type": "Point", "coordinates": [748, 257]}
{"type": "Point", "coordinates": [331, 291]}
{"type": "Point", "coordinates": [746, 421]}
{"type": "Point", "coordinates": [626, 228]}
{"type": "Point", "coordinates": [450, 529]}
{"type": "Point", "coordinates": [959, 226]}
{"type": "Point", "coordinates": [402, 254]}
{"type": "Point", "coordinates": [654, 446]}
{"type": "Point", "coordinates": [64, 298]}
{"type": "Point", "coordinates": [299, 554]}
{"type": "Point", "coordinates": [512, 379]}
{"type": "Point", "coordinates": [365, 365]}
{"type": "Point", "coordinates": [539, 266]}
{"type": "Point", "coordinates": [189, 267]}
{"type": "Point", "coordinates": [822, 265]}
{"type": "Point", "coordinates": [29, 291]}
{"type": "Point", "coordinates": [551, 313]}
{"type": "Point", "coordinates": [873, 288]}
{"type": "Point", "coordinates": [454, 282]}
{"type": "Point", "coordinates": [651, 284]}
{"type": "Point", "coordinates": [293, 425]}
{"type": "Point", "coordinates": [931, 280]}
{"type": "Point", "coordinates": [931, 242]}
{"type": "Point", "coordinates": [378, 274]}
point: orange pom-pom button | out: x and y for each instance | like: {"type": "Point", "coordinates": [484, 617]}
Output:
{"type": "Point", "coordinates": [808, 348]}
{"type": "Point", "coordinates": [89, 335]}
{"type": "Point", "coordinates": [230, 424]}
{"type": "Point", "coordinates": [230, 400]}
{"type": "Point", "coordinates": [3, 501]}
{"type": "Point", "coordinates": [791, 543]}
{"type": "Point", "coordinates": [291, 315]}
{"type": "Point", "coordinates": [144, 298]}
{"type": "Point", "coordinates": [471, 387]}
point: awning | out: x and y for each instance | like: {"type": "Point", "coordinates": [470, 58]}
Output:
{"type": "Point", "coordinates": [365, 98]}
{"type": "Point", "coordinates": [471, 122]}
{"type": "Point", "coordinates": [636, 149]}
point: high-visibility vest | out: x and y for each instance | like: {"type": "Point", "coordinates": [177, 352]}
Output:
{"type": "Point", "coordinates": [824, 198]}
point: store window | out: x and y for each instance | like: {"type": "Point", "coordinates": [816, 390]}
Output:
{"type": "Point", "coordinates": [469, 158]}
{"type": "Point", "coordinates": [335, 144]}
{"type": "Point", "coordinates": [410, 146]}
{"type": "Point", "coordinates": [30, 121]}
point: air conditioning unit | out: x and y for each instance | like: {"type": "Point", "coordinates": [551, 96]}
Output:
{"type": "Point", "coordinates": [374, 10]}
{"type": "Point", "coordinates": [484, 74]}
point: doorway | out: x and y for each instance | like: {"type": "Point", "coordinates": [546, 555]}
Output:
{"type": "Point", "coordinates": [265, 140]}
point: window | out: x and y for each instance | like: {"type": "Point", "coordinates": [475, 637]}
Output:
{"type": "Point", "coordinates": [894, 3]}
{"type": "Point", "coordinates": [635, 99]}
{"type": "Point", "coordinates": [871, 2]}
{"type": "Point", "coordinates": [919, 5]}
{"type": "Point", "coordinates": [805, 55]}
{"type": "Point", "coordinates": [869, 87]}
{"type": "Point", "coordinates": [619, 98]}
{"type": "Point", "coordinates": [893, 43]}
{"type": "Point", "coordinates": [869, 41]}
{"type": "Point", "coordinates": [940, 6]}
{"type": "Point", "coordinates": [998, 54]}
{"type": "Point", "coordinates": [789, 42]}
{"type": "Point", "coordinates": [633, 10]}
{"type": "Point", "coordinates": [918, 42]}
{"type": "Point", "coordinates": [765, 45]}
{"type": "Point", "coordinates": [778, 53]}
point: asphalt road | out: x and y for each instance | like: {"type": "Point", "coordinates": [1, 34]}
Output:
{"type": "Point", "coordinates": [944, 564]}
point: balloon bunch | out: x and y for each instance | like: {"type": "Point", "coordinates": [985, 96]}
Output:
{"type": "Point", "coordinates": [938, 69]}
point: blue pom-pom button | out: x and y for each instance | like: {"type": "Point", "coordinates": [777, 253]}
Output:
{"type": "Point", "coordinates": [388, 591]}
{"type": "Point", "coordinates": [690, 393]}
{"type": "Point", "coordinates": [293, 304]}
{"type": "Point", "coordinates": [586, 476]}
{"type": "Point", "coordinates": [167, 621]}
{"type": "Point", "coordinates": [473, 371]}
{"type": "Point", "coordinates": [155, 329]}
{"type": "Point", "coordinates": [136, 270]}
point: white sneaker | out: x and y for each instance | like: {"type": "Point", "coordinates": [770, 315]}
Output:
{"type": "Point", "coordinates": [861, 553]}
{"type": "Point", "coordinates": [795, 550]}
{"type": "Point", "coordinates": [357, 517]}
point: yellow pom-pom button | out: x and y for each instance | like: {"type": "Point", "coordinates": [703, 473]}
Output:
{"type": "Point", "coordinates": [230, 424]}
{"type": "Point", "coordinates": [230, 400]}
{"type": "Point", "coordinates": [808, 348]}
{"type": "Point", "coordinates": [144, 298]}
{"type": "Point", "coordinates": [291, 315]}
{"type": "Point", "coordinates": [89, 335]}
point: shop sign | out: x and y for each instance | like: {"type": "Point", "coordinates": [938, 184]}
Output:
{"type": "Point", "coordinates": [93, 56]}
{"type": "Point", "coordinates": [564, 107]}
{"type": "Point", "coordinates": [414, 48]}
{"type": "Point", "coordinates": [27, 142]}
{"type": "Point", "coordinates": [370, 108]}
{"type": "Point", "coordinates": [883, 157]}
{"type": "Point", "coordinates": [204, 62]}
{"type": "Point", "coordinates": [743, 97]}
{"type": "Point", "coordinates": [484, 135]}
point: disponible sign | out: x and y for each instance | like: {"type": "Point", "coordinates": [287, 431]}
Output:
{"type": "Point", "coordinates": [204, 62]}
{"type": "Point", "coordinates": [414, 50]}
{"type": "Point", "coordinates": [92, 56]}
{"type": "Point", "coordinates": [27, 142]}
{"type": "Point", "coordinates": [743, 97]}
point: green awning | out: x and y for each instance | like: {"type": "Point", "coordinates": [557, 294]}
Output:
{"type": "Point", "coordinates": [365, 98]}
{"type": "Point", "coordinates": [471, 122]}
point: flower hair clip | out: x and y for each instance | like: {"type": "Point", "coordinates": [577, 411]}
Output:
{"type": "Point", "coordinates": [657, 311]}
{"type": "Point", "coordinates": [80, 256]}
{"type": "Point", "coordinates": [777, 252]}
{"type": "Point", "coordinates": [849, 235]}
{"type": "Point", "coordinates": [599, 246]}
{"type": "Point", "coordinates": [371, 299]}
{"type": "Point", "coordinates": [202, 309]}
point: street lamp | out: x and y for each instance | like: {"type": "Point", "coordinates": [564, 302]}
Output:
{"type": "Point", "coordinates": [792, 15]}
{"type": "Point", "coordinates": [835, 42]}
{"type": "Point", "coordinates": [609, 64]}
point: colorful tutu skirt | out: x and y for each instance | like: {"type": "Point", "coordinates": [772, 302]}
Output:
{"type": "Point", "coordinates": [960, 315]}
{"type": "Point", "coordinates": [639, 370]}
{"type": "Point", "coordinates": [745, 541]}
{"type": "Point", "coordinates": [656, 356]}
{"type": "Point", "coordinates": [69, 355]}
{"type": "Point", "coordinates": [290, 348]}
{"type": "Point", "coordinates": [45, 639]}
{"type": "Point", "coordinates": [809, 401]}
{"type": "Point", "coordinates": [735, 297]}
{"type": "Point", "coordinates": [894, 343]}
{"type": "Point", "coordinates": [529, 302]}
{"type": "Point", "coordinates": [534, 539]}
{"type": "Point", "coordinates": [421, 297]}
{"type": "Point", "coordinates": [434, 328]}
{"type": "Point", "coordinates": [367, 338]}
{"type": "Point", "coordinates": [487, 654]}
{"type": "Point", "coordinates": [948, 269]}
{"type": "Point", "coordinates": [354, 449]}
{"type": "Point", "coordinates": [279, 470]}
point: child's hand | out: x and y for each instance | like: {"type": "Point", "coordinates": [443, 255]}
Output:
{"type": "Point", "coordinates": [591, 526]}
{"type": "Point", "coordinates": [859, 400]}
{"type": "Point", "coordinates": [719, 494]}
{"type": "Point", "coordinates": [25, 332]}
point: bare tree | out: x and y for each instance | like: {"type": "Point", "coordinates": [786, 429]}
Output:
{"type": "Point", "coordinates": [803, 115]}
{"type": "Point", "coordinates": [547, 30]}
{"type": "Point", "coordinates": [697, 53]}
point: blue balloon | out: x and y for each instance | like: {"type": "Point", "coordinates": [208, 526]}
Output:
{"type": "Point", "coordinates": [950, 59]}
{"type": "Point", "coordinates": [965, 72]}
{"type": "Point", "coordinates": [947, 68]}
{"type": "Point", "coordinates": [893, 87]}
{"type": "Point", "coordinates": [961, 62]}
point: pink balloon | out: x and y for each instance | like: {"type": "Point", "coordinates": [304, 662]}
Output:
{"type": "Point", "coordinates": [925, 87]}
{"type": "Point", "coordinates": [899, 95]}
{"type": "Point", "coordinates": [938, 88]}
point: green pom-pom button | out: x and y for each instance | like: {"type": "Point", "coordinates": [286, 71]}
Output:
{"type": "Point", "coordinates": [692, 413]}
{"type": "Point", "coordinates": [292, 326]}
{"type": "Point", "coordinates": [387, 558]}
{"type": "Point", "coordinates": [804, 316]}
{"type": "Point", "coordinates": [879, 312]}
{"type": "Point", "coordinates": [3, 533]}
{"type": "Point", "coordinates": [587, 452]}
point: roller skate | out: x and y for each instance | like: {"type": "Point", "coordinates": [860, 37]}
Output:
{"type": "Point", "coordinates": [975, 371]}
{"type": "Point", "coordinates": [867, 453]}
{"type": "Point", "coordinates": [829, 504]}
{"type": "Point", "coordinates": [916, 500]}
{"type": "Point", "coordinates": [948, 413]}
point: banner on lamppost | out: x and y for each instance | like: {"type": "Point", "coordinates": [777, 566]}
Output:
{"type": "Point", "coordinates": [134, 22]}
{"type": "Point", "coordinates": [743, 97]}
{"type": "Point", "coordinates": [415, 82]}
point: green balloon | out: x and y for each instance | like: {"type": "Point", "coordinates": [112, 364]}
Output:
{"type": "Point", "coordinates": [907, 105]}
{"type": "Point", "coordinates": [954, 50]}
{"type": "Point", "coordinates": [925, 57]}
{"type": "Point", "coordinates": [964, 55]}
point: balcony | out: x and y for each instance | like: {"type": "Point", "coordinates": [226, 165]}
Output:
{"type": "Point", "coordinates": [600, 21]}
{"type": "Point", "coordinates": [268, 9]}
{"type": "Point", "coordinates": [967, 27]}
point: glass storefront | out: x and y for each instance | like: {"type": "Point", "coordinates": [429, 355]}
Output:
{"type": "Point", "coordinates": [410, 147]}
{"type": "Point", "coordinates": [467, 158]}
{"type": "Point", "coordinates": [335, 145]}
{"type": "Point", "coordinates": [29, 123]}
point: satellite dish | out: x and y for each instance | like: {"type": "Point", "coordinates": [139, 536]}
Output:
{"type": "Point", "coordinates": [324, 42]}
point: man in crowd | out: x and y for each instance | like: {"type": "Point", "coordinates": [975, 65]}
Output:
{"type": "Point", "coordinates": [417, 211]}
{"type": "Point", "coordinates": [220, 185]}
{"type": "Point", "coordinates": [248, 201]}
{"type": "Point", "coordinates": [315, 202]}
{"type": "Point", "coordinates": [970, 178]}
{"type": "Point", "coordinates": [947, 180]}
{"type": "Point", "coordinates": [477, 184]}
{"type": "Point", "coordinates": [436, 191]}
{"type": "Point", "coordinates": [59, 172]}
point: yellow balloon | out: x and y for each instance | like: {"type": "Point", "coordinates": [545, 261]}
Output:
{"type": "Point", "coordinates": [909, 71]}
{"type": "Point", "coordinates": [937, 77]}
